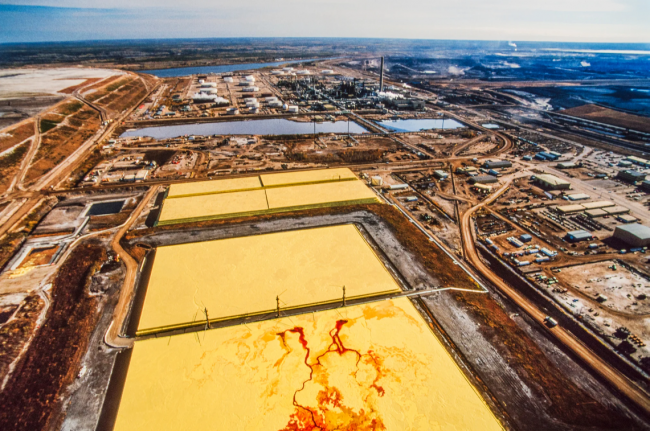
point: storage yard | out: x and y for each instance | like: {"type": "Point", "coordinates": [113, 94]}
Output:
{"type": "Point", "coordinates": [373, 366]}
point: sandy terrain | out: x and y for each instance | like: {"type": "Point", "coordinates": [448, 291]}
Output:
{"type": "Point", "coordinates": [26, 82]}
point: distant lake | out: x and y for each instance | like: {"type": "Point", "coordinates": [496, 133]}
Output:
{"type": "Point", "coordinates": [279, 126]}
{"type": "Point", "coordinates": [184, 71]}
{"type": "Point", "coordinates": [420, 124]}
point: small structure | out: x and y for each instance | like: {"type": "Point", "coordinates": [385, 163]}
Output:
{"type": "Point", "coordinates": [597, 205]}
{"type": "Point", "coordinates": [626, 218]}
{"type": "Point", "coordinates": [635, 234]}
{"type": "Point", "coordinates": [567, 165]}
{"type": "Point", "coordinates": [142, 175]}
{"type": "Point", "coordinates": [639, 161]}
{"type": "Point", "coordinates": [631, 176]}
{"type": "Point", "coordinates": [441, 175]}
{"type": "Point", "coordinates": [570, 209]}
{"type": "Point", "coordinates": [579, 235]}
{"type": "Point", "coordinates": [526, 238]}
{"type": "Point", "coordinates": [616, 210]}
{"type": "Point", "coordinates": [497, 164]}
{"type": "Point", "coordinates": [578, 197]}
{"type": "Point", "coordinates": [596, 213]}
{"type": "Point", "coordinates": [376, 181]}
{"type": "Point", "coordinates": [551, 182]}
{"type": "Point", "coordinates": [483, 179]}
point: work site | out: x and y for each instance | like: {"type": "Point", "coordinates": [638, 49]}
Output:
{"type": "Point", "coordinates": [346, 243]}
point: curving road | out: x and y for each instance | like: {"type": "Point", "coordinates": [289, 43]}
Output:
{"type": "Point", "coordinates": [113, 337]}
{"type": "Point", "coordinates": [605, 370]}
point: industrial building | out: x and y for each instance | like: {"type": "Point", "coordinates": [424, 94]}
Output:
{"type": "Point", "coordinates": [639, 161]}
{"type": "Point", "coordinates": [567, 165]}
{"type": "Point", "coordinates": [579, 235]}
{"type": "Point", "coordinates": [441, 175]}
{"type": "Point", "coordinates": [578, 197]}
{"type": "Point", "coordinates": [635, 235]}
{"type": "Point", "coordinates": [497, 164]}
{"type": "Point", "coordinates": [645, 186]}
{"type": "Point", "coordinates": [631, 176]}
{"type": "Point", "coordinates": [483, 179]}
{"type": "Point", "coordinates": [551, 182]}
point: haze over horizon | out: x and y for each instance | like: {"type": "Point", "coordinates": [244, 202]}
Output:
{"type": "Point", "coordinates": [613, 21]}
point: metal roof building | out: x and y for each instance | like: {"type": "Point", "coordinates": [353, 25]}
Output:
{"type": "Point", "coordinates": [483, 179]}
{"type": "Point", "coordinates": [552, 182]}
{"type": "Point", "coordinates": [631, 176]}
{"type": "Point", "coordinates": [497, 164]}
{"type": "Point", "coordinates": [579, 235]}
{"type": "Point", "coordinates": [635, 235]}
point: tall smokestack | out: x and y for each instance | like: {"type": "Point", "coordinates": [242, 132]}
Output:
{"type": "Point", "coordinates": [381, 76]}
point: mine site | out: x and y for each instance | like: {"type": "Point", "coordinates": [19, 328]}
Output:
{"type": "Point", "coordinates": [360, 241]}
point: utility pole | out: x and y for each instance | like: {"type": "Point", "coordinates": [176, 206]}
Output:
{"type": "Point", "coordinates": [277, 300]}
{"type": "Point", "coordinates": [207, 319]}
{"type": "Point", "coordinates": [344, 296]}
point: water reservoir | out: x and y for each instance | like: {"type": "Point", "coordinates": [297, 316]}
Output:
{"type": "Point", "coordinates": [274, 126]}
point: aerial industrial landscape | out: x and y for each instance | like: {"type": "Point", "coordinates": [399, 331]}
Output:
{"type": "Point", "coordinates": [377, 235]}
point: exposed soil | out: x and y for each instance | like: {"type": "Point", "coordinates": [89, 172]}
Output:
{"type": "Point", "coordinates": [11, 137]}
{"type": "Point", "coordinates": [58, 143]}
{"type": "Point", "coordinates": [31, 398]}
{"type": "Point", "coordinates": [10, 165]}
{"type": "Point", "coordinates": [16, 331]}
{"type": "Point", "coordinates": [72, 89]}
{"type": "Point", "coordinates": [610, 116]}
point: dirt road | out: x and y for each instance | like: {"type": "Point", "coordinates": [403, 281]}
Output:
{"type": "Point", "coordinates": [605, 370]}
{"type": "Point", "coordinates": [112, 337]}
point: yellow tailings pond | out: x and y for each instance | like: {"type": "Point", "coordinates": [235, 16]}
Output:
{"type": "Point", "coordinates": [269, 193]}
{"type": "Point", "coordinates": [243, 276]}
{"type": "Point", "coordinates": [375, 366]}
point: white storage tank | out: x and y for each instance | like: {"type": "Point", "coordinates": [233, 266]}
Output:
{"type": "Point", "coordinates": [249, 78]}
{"type": "Point", "coordinates": [228, 79]}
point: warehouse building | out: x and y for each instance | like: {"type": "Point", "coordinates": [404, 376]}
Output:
{"type": "Point", "coordinates": [578, 236]}
{"type": "Point", "coordinates": [616, 210]}
{"type": "Point", "coordinates": [548, 156]}
{"type": "Point", "coordinates": [635, 235]}
{"type": "Point", "coordinates": [631, 176]}
{"type": "Point", "coordinates": [570, 209]}
{"type": "Point", "coordinates": [639, 161]}
{"type": "Point", "coordinates": [441, 175]}
{"type": "Point", "coordinates": [483, 179]}
{"type": "Point", "coordinates": [578, 197]}
{"type": "Point", "coordinates": [645, 186]}
{"type": "Point", "coordinates": [497, 164]}
{"type": "Point", "coordinates": [567, 165]}
{"type": "Point", "coordinates": [551, 182]}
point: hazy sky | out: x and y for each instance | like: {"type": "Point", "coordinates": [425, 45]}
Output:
{"type": "Point", "coordinates": [543, 20]}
